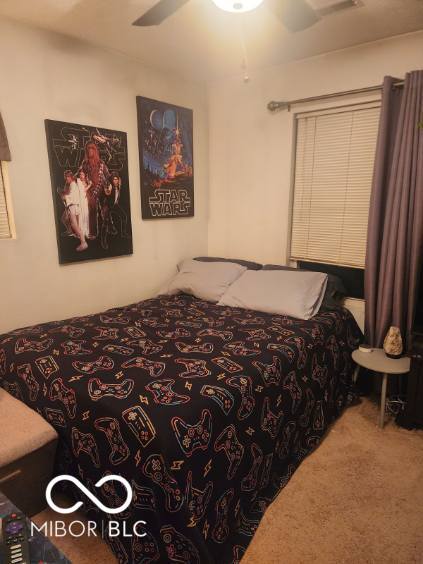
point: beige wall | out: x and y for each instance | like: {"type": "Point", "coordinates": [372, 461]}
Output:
{"type": "Point", "coordinates": [250, 149]}
{"type": "Point", "coordinates": [47, 76]}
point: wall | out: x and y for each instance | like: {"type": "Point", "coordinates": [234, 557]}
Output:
{"type": "Point", "coordinates": [48, 76]}
{"type": "Point", "coordinates": [44, 75]}
{"type": "Point", "coordinates": [251, 149]}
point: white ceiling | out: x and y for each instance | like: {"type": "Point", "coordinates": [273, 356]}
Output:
{"type": "Point", "coordinates": [204, 43]}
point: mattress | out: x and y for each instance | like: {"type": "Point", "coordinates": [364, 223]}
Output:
{"type": "Point", "coordinates": [206, 410]}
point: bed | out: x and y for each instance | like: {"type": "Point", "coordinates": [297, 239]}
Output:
{"type": "Point", "coordinates": [206, 410]}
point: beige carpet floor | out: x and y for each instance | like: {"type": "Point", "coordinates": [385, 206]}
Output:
{"type": "Point", "coordinates": [357, 499]}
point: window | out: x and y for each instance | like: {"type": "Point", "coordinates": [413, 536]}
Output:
{"type": "Point", "coordinates": [6, 231]}
{"type": "Point", "coordinates": [335, 151]}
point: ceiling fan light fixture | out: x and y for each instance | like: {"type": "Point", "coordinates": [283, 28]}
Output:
{"type": "Point", "coordinates": [237, 6]}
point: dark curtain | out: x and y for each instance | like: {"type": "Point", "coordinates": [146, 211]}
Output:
{"type": "Point", "coordinates": [4, 145]}
{"type": "Point", "coordinates": [395, 230]}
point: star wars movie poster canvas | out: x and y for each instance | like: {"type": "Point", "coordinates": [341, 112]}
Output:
{"type": "Point", "coordinates": [90, 182]}
{"type": "Point", "coordinates": [165, 134]}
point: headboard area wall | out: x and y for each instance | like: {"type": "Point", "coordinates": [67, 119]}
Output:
{"type": "Point", "coordinates": [76, 82]}
{"type": "Point", "coordinates": [353, 278]}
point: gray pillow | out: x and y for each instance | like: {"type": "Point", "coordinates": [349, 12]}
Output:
{"type": "Point", "coordinates": [247, 263]}
{"type": "Point", "coordinates": [335, 289]}
{"type": "Point", "coordinates": [296, 294]}
{"type": "Point", "coordinates": [204, 280]}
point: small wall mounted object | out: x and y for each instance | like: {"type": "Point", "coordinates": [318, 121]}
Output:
{"type": "Point", "coordinates": [392, 345]}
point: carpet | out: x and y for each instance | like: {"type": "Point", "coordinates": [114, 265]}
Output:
{"type": "Point", "coordinates": [357, 499]}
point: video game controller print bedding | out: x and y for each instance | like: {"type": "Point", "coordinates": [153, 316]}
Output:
{"type": "Point", "coordinates": [206, 410]}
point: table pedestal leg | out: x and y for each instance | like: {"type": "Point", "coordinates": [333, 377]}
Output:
{"type": "Point", "coordinates": [383, 400]}
{"type": "Point", "coordinates": [356, 371]}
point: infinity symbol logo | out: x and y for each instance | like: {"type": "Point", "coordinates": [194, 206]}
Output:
{"type": "Point", "coordinates": [86, 491]}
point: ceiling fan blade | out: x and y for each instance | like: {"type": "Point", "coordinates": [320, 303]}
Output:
{"type": "Point", "coordinates": [296, 15]}
{"type": "Point", "coordinates": [159, 12]}
{"type": "Point", "coordinates": [338, 7]}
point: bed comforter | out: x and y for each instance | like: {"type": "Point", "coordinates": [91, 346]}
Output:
{"type": "Point", "coordinates": [206, 410]}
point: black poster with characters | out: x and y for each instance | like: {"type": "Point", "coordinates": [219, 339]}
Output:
{"type": "Point", "coordinates": [165, 134]}
{"type": "Point", "coordinates": [90, 182]}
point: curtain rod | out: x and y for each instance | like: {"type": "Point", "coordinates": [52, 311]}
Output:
{"type": "Point", "coordinates": [279, 106]}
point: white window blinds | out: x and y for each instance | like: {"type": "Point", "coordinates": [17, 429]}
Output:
{"type": "Point", "coordinates": [5, 230]}
{"type": "Point", "coordinates": [335, 151]}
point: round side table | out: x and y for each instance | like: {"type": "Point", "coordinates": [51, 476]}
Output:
{"type": "Point", "coordinates": [379, 362]}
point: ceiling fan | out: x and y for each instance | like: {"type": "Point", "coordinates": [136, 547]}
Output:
{"type": "Point", "coordinates": [296, 15]}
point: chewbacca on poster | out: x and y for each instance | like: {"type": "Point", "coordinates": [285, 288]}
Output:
{"type": "Point", "coordinates": [96, 170]}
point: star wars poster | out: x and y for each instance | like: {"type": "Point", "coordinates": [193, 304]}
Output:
{"type": "Point", "coordinates": [89, 177]}
{"type": "Point", "coordinates": [165, 134]}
